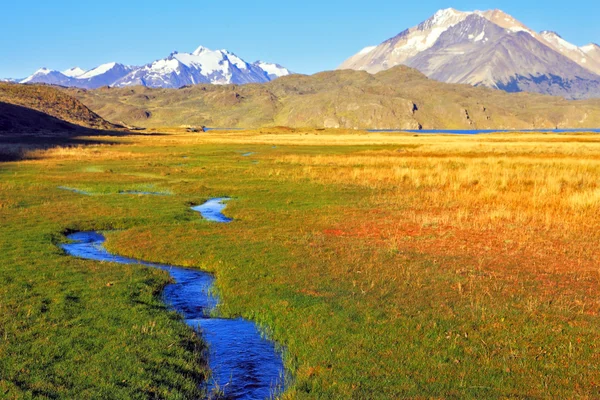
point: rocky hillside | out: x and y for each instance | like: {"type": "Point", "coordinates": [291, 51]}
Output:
{"type": "Point", "coordinates": [33, 108]}
{"type": "Point", "coordinates": [398, 98]}
{"type": "Point", "coordinates": [488, 48]}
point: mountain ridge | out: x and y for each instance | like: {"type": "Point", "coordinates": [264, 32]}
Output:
{"type": "Point", "coordinates": [177, 70]}
{"type": "Point", "coordinates": [397, 98]}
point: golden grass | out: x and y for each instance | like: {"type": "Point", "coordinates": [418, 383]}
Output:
{"type": "Point", "coordinates": [540, 179]}
{"type": "Point", "coordinates": [388, 265]}
{"type": "Point", "coordinates": [101, 151]}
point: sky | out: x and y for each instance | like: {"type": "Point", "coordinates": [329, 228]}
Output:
{"type": "Point", "coordinates": [305, 36]}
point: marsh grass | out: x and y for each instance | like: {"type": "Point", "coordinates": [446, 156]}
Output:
{"type": "Point", "coordinates": [427, 267]}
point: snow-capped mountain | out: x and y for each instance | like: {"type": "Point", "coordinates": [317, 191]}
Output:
{"type": "Point", "coordinates": [588, 60]}
{"type": "Point", "coordinates": [50, 77]}
{"type": "Point", "coordinates": [203, 66]}
{"type": "Point", "coordinates": [273, 71]}
{"type": "Point", "coordinates": [489, 48]}
{"type": "Point", "coordinates": [104, 75]}
{"type": "Point", "coordinates": [74, 72]}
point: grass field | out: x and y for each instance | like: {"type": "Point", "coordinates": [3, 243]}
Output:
{"type": "Point", "coordinates": [386, 265]}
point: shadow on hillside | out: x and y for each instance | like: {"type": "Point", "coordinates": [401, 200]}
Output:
{"type": "Point", "coordinates": [23, 129]}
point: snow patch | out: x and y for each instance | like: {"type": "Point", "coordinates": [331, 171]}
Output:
{"type": "Point", "coordinates": [367, 50]}
{"type": "Point", "coordinates": [165, 66]}
{"type": "Point", "coordinates": [204, 59]}
{"type": "Point", "coordinates": [558, 41]}
{"type": "Point", "coordinates": [589, 48]}
{"type": "Point", "coordinates": [74, 72]}
{"type": "Point", "coordinates": [430, 31]}
{"type": "Point", "coordinates": [273, 70]}
{"type": "Point", "coordinates": [36, 74]}
{"type": "Point", "coordinates": [102, 69]}
{"type": "Point", "coordinates": [480, 37]}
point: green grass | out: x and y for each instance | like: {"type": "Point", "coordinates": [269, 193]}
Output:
{"type": "Point", "coordinates": [356, 320]}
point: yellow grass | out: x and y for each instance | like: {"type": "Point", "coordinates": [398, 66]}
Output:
{"type": "Point", "coordinates": [388, 265]}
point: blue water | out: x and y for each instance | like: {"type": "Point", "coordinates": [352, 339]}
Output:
{"type": "Point", "coordinates": [212, 210]}
{"type": "Point", "coordinates": [247, 154]}
{"type": "Point", "coordinates": [484, 131]}
{"type": "Point", "coordinates": [244, 365]}
{"type": "Point", "coordinates": [75, 190]}
{"type": "Point", "coordinates": [223, 129]}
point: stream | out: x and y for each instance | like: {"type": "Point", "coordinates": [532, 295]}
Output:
{"type": "Point", "coordinates": [244, 364]}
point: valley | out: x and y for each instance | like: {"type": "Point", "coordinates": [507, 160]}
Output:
{"type": "Point", "coordinates": [386, 265]}
{"type": "Point", "coordinates": [419, 223]}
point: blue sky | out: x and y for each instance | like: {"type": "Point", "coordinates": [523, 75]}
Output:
{"type": "Point", "coordinates": [306, 36]}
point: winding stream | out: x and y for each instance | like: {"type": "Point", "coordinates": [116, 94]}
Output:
{"type": "Point", "coordinates": [212, 210]}
{"type": "Point", "coordinates": [244, 365]}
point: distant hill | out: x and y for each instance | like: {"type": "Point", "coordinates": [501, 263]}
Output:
{"type": "Point", "coordinates": [45, 109]}
{"type": "Point", "coordinates": [488, 48]}
{"type": "Point", "coordinates": [398, 98]}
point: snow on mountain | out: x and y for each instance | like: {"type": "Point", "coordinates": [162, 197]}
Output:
{"type": "Point", "coordinates": [203, 66]}
{"type": "Point", "coordinates": [407, 44]}
{"type": "Point", "coordinates": [590, 48]}
{"type": "Point", "coordinates": [45, 75]}
{"type": "Point", "coordinates": [103, 75]}
{"type": "Point", "coordinates": [488, 48]}
{"type": "Point", "coordinates": [274, 71]}
{"type": "Point", "coordinates": [102, 69]}
{"type": "Point", "coordinates": [74, 72]}
{"type": "Point", "coordinates": [39, 73]}
{"type": "Point", "coordinates": [560, 43]}
{"type": "Point", "coordinates": [576, 54]}
{"type": "Point", "coordinates": [367, 50]}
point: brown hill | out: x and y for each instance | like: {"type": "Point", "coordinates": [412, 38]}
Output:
{"type": "Point", "coordinates": [37, 109]}
{"type": "Point", "coordinates": [398, 98]}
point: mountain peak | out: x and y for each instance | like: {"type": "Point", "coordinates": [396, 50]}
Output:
{"type": "Point", "coordinates": [445, 17]}
{"type": "Point", "coordinates": [488, 48]}
{"type": "Point", "coordinates": [590, 47]}
{"type": "Point", "coordinates": [45, 75]}
{"type": "Point", "coordinates": [445, 12]}
{"type": "Point", "coordinates": [550, 33]}
{"type": "Point", "coordinates": [38, 74]}
{"type": "Point", "coordinates": [200, 50]}
{"type": "Point", "coordinates": [102, 69]}
{"type": "Point", "coordinates": [73, 72]}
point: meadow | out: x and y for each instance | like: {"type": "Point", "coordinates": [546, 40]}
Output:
{"type": "Point", "coordinates": [384, 265]}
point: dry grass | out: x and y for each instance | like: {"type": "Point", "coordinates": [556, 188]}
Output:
{"type": "Point", "coordinates": [531, 204]}
{"type": "Point", "coordinates": [388, 265]}
{"type": "Point", "coordinates": [97, 152]}
{"type": "Point", "coordinates": [481, 183]}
